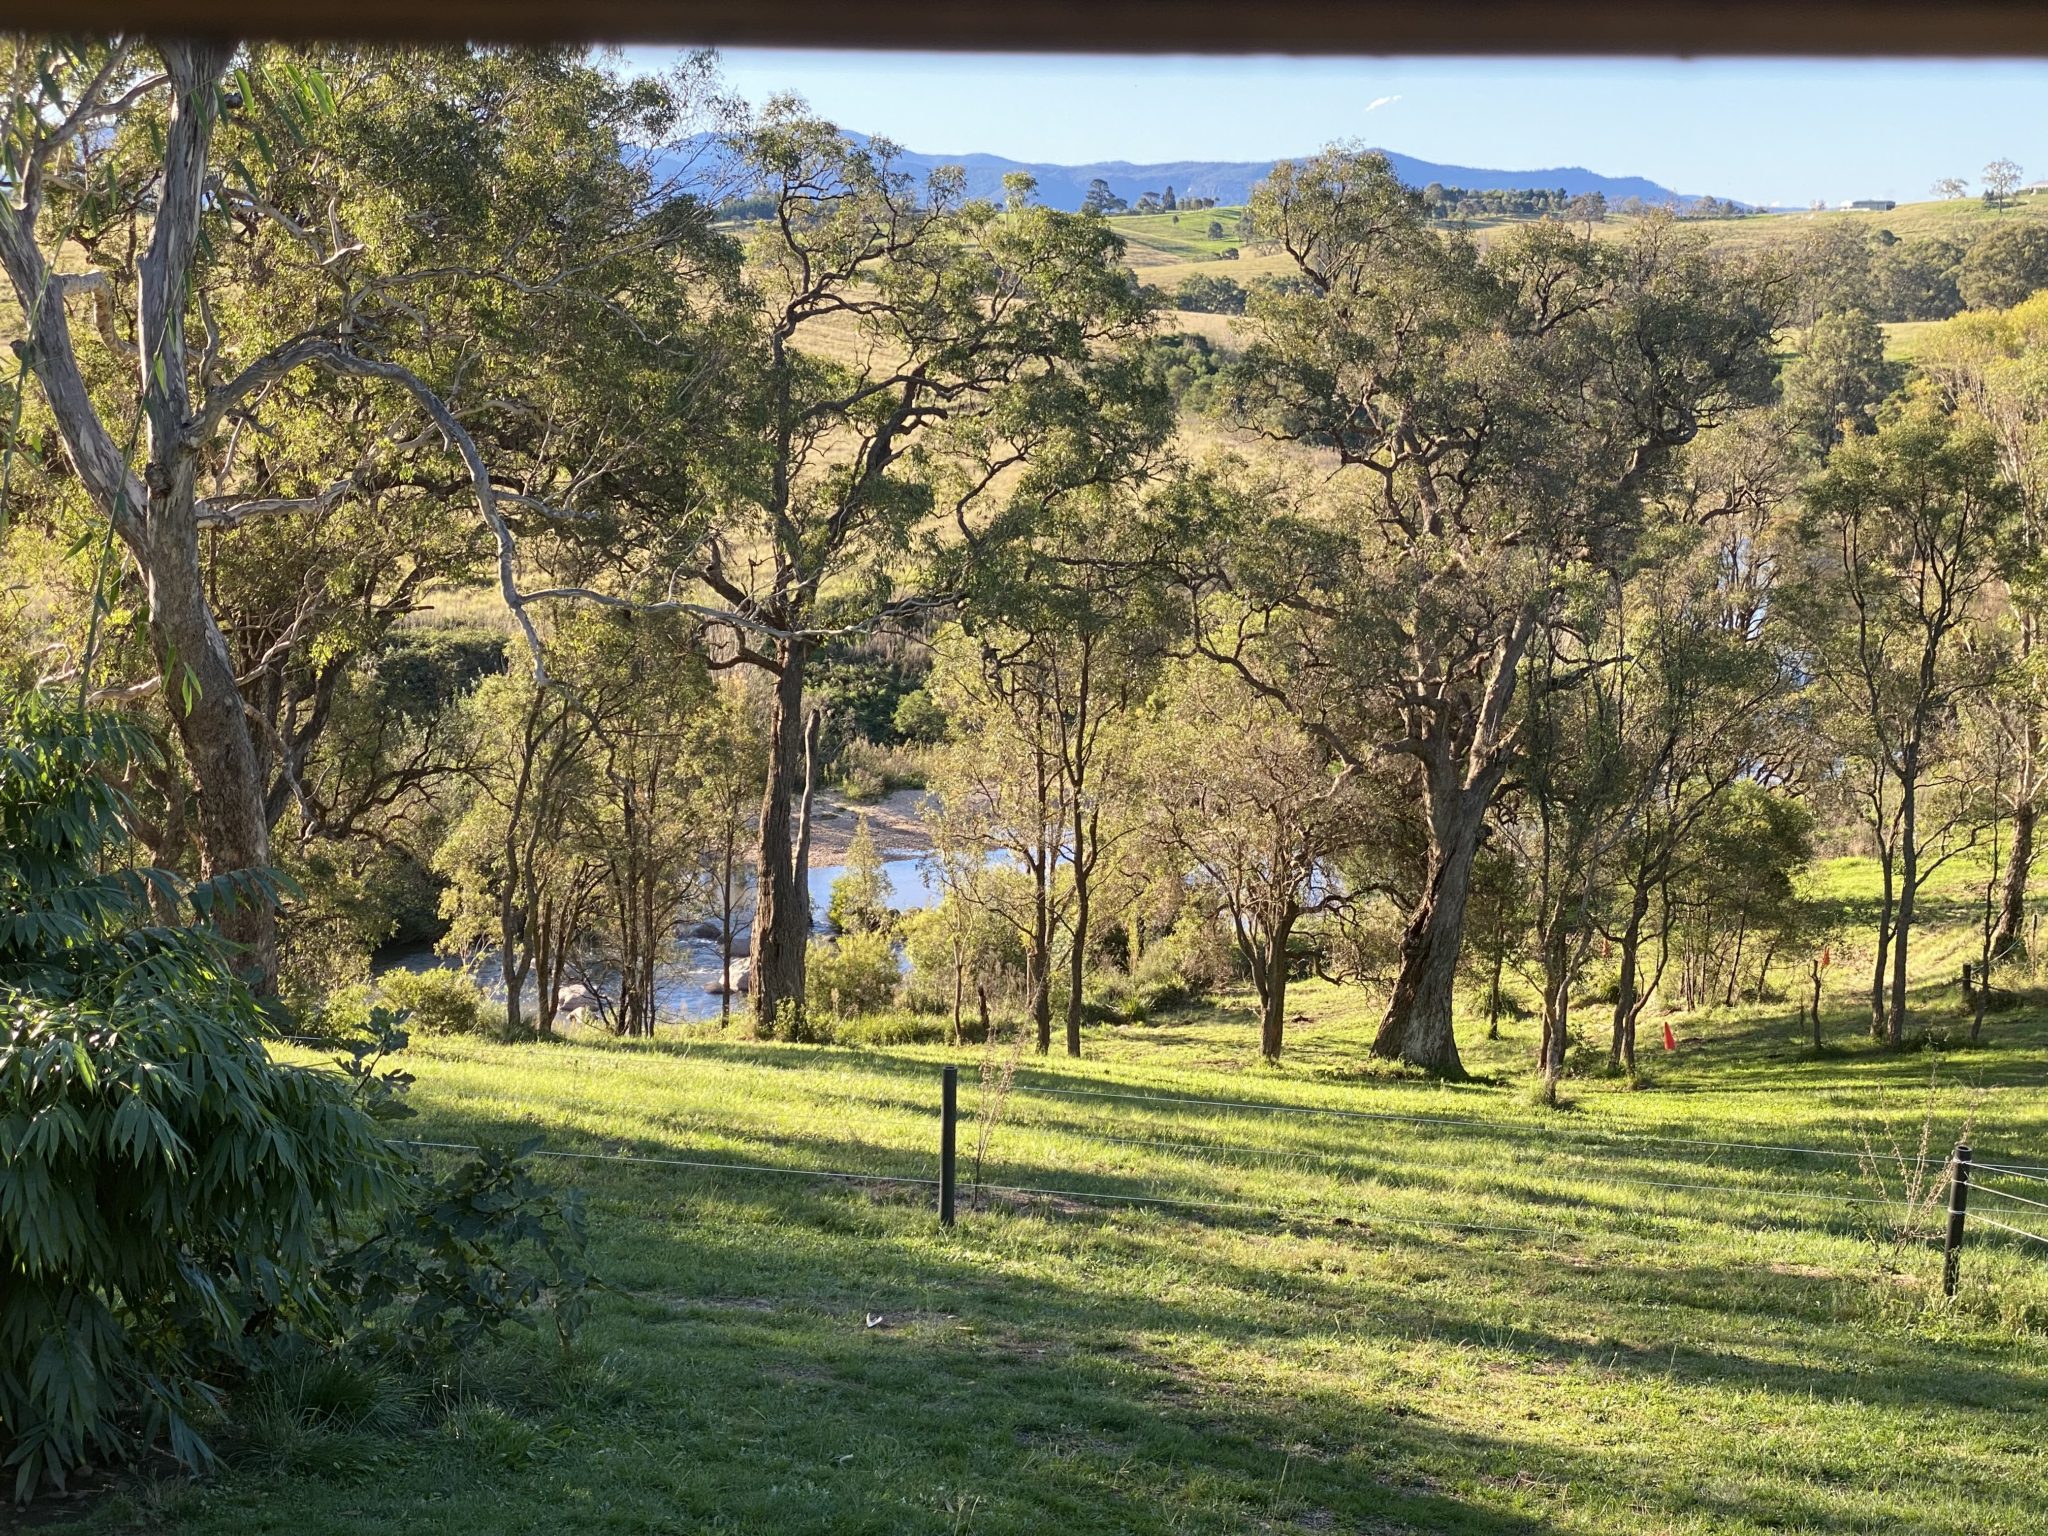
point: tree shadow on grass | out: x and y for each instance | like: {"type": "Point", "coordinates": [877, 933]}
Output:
{"type": "Point", "coordinates": [834, 1363]}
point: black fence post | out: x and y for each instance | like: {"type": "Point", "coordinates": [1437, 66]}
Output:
{"type": "Point", "coordinates": [949, 1119]}
{"type": "Point", "coordinates": [1958, 1203]}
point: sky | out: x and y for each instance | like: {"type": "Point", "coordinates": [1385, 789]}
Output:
{"type": "Point", "coordinates": [1783, 131]}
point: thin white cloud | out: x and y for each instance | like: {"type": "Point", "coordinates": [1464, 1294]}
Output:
{"type": "Point", "coordinates": [1380, 101]}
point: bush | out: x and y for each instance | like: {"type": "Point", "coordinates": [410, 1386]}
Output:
{"type": "Point", "coordinates": [857, 974]}
{"type": "Point", "coordinates": [1215, 295]}
{"type": "Point", "coordinates": [860, 896]}
{"type": "Point", "coordinates": [919, 720]}
{"type": "Point", "coordinates": [459, 1258]}
{"type": "Point", "coordinates": [436, 1002]}
{"type": "Point", "coordinates": [164, 1185]}
{"type": "Point", "coordinates": [870, 772]}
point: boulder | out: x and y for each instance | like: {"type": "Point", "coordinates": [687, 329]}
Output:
{"type": "Point", "coordinates": [737, 978]}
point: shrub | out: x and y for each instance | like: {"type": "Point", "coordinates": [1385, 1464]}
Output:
{"type": "Point", "coordinates": [919, 720]}
{"type": "Point", "coordinates": [870, 772]}
{"type": "Point", "coordinates": [436, 1002]}
{"type": "Point", "coordinates": [860, 896]}
{"type": "Point", "coordinates": [857, 974]}
{"type": "Point", "coordinates": [461, 1257]}
{"type": "Point", "coordinates": [1216, 295]}
{"type": "Point", "coordinates": [164, 1185]}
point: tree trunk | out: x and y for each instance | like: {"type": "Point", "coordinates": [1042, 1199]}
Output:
{"type": "Point", "coordinates": [514, 956]}
{"type": "Point", "coordinates": [199, 677]}
{"type": "Point", "coordinates": [1626, 1006]}
{"type": "Point", "coordinates": [1038, 953]}
{"type": "Point", "coordinates": [1417, 1027]}
{"type": "Point", "coordinates": [782, 905]}
{"type": "Point", "coordinates": [1735, 961]}
{"type": "Point", "coordinates": [1077, 961]}
{"type": "Point", "coordinates": [1557, 1004]}
{"type": "Point", "coordinates": [155, 518]}
{"type": "Point", "coordinates": [1038, 968]}
{"type": "Point", "coordinates": [1500, 961]}
{"type": "Point", "coordinates": [1273, 998]}
{"type": "Point", "coordinates": [1884, 939]}
{"type": "Point", "coordinates": [2012, 911]}
{"type": "Point", "coordinates": [1909, 871]}
{"type": "Point", "coordinates": [725, 876]}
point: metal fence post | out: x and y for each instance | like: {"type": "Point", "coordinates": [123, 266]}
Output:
{"type": "Point", "coordinates": [949, 1117]}
{"type": "Point", "coordinates": [1958, 1203]}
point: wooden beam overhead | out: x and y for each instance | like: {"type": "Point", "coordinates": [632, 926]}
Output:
{"type": "Point", "coordinates": [1723, 27]}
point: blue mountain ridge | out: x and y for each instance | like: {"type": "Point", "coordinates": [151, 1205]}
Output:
{"type": "Point", "coordinates": [1231, 181]}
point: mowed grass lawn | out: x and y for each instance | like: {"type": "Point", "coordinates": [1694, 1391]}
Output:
{"type": "Point", "coordinates": [1632, 1314]}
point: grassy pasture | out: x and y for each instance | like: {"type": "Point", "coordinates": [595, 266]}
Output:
{"type": "Point", "coordinates": [1428, 1308]}
{"type": "Point", "coordinates": [1157, 238]}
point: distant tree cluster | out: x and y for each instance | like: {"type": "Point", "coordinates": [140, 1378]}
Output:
{"type": "Point", "coordinates": [1838, 266]}
{"type": "Point", "coordinates": [1552, 202]}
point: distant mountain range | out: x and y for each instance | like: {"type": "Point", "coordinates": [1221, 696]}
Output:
{"type": "Point", "coordinates": [1231, 181]}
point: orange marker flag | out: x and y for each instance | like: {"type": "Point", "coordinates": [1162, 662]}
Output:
{"type": "Point", "coordinates": [1670, 1040]}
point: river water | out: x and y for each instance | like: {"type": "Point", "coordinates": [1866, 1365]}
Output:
{"type": "Point", "coordinates": [683, 986]}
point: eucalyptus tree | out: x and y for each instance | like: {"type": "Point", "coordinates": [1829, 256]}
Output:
{"type": "Point", "coordinates": [1839, 378]}
{"type": "Point", "coordinates": [323, 294]}
{"type": "Point", "coordinates": [1905, 535]}
{"type": "Point", "coordinates": [1578, 796]}
{"type": "Point", "coordinates": [999, 788]}
{"type": "Point", "coordinates": [1239, 799]}
{"type": "Point", "coordinates": [1494, 421]}
{"type": "Point", "coordinates": [1705, 702]}
{"type": "Point", "coordinates": [919, 375]}
{"type": "Point", "coordinates": [1991, 366]}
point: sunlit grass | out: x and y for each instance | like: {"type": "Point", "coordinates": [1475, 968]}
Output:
{"type": "Point", "coordinates": [1433, 1307]}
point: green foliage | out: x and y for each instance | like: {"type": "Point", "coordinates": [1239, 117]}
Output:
{"type": "Point", "coordinates": [861, 691]}
{"type": "Point", "coordinates": [800, 1026]}
{"type": "Point", "coordinates": [2004, 266]}
{"type": "Point", "coordinates": [860, 896]}
{"type": "Point", "coordinates": [435, 1002]}
{"type": "Point", "coordinates": [965, 929]}
{"type": "Point", "coordinates": [462, 1257]}
{"type": "Point", "coordinates": [1210, 294]}
{"type": "Point", "coordinates": [1833, 388]}
{"type": "Point", "coordinates": [892, 1026]}
{"type": "Point", "coordinates": [1188, 367]}
{"type": "Point", "coordinates": [163, 1183]}
{"type": "Point", "coordinates": [1915, 279]}
{"type": "Point", "coordinates": [919, 719]}
{"type": "Point", "coordinates": [857, 973]}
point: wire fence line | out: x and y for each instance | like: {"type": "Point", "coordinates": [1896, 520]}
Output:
{"type": "Point", "coordinates": [2032, 1237]}
{"type": "Point", "coordinates": [1509, 1128]}
{"type": "Point", "coordinates": [2014, 1171]}
{"type": "Point", "coordinates": [2035, 1172]}
{"type": "Point", "coordinates": [1342, 1164]}
{"type": "Point", "coordinates": [1350, 1158]}
{"type": "Point", "coordinates": [1249, 1208]}
{"type": "Point", "coordinates": [2002, 1194]}
{"type": "Point", "coordinates": [1364, 1216]}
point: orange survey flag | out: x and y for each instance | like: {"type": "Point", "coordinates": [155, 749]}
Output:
{"type": "Point", "coordinates": [1670, 1040]}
